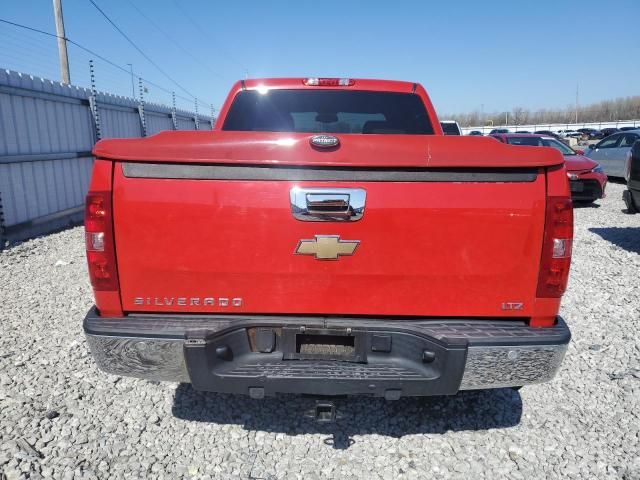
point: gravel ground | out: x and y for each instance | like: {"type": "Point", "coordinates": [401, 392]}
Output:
{"type": "Point", "coordinates": [62, 418]}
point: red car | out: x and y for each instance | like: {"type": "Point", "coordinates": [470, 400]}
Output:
{"type": "Point", "coordinates": [587, 179]}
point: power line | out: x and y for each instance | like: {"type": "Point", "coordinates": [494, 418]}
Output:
{"type": "Point", "coordinates": [29, 28]}
{"type": "Point", "coordinates": [170, 38]}
{"type": "Point", "coordinates": [140, 50]}
{"type": "Point", "coordinates": [207, 36]}
{"type": "Point", "coordinates": [106, 60]}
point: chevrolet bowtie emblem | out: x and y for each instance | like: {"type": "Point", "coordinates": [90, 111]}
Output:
{"type": "Point", "coordinates": [326, 247]}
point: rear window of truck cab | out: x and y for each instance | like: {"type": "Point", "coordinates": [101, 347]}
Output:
{"type": "Point", "coordinates": [328, 111]}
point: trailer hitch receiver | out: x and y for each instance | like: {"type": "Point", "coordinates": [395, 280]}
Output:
{"type": "Point", "coordinates": [324, 411]}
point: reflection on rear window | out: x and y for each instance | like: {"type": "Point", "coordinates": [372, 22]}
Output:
{"type": "Point", "coordinates": [531, 141]}
{"type": "Point", "coordinates": [449, 128]}
{"type": "Point", "coordinates": [328, 111]}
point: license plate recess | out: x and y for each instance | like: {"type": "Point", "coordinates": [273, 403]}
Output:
{"type": "Point", "coordinates": [324, 344]}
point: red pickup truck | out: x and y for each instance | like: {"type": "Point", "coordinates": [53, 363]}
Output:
{"type": "Point", "coordinates": [326, 238]}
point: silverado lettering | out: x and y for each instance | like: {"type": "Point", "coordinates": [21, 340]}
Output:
{"type": "Point", "coordinates": [191, 301]}
{"type": "Point", "coordinates": [450, 254]}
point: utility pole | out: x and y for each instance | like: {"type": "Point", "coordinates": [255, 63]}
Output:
{"type": "Point", "coordinates": [133, 89]}
{"type": "Point", "coordinates": [62, 42]}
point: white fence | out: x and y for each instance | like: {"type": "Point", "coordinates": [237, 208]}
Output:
{"type": "Point", "coordinates": [554, 127]}
{"type": "Point", "coordinates": [47, 131]}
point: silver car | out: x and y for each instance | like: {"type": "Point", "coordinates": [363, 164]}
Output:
{"type": "Point", "coordinates": [611, 152]}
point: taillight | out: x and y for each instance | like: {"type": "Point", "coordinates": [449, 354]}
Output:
{"type": "Point", "coordinates": [329, 82]}
{"type": "Point", "coordinates": [556, 249]}
{"type": "Point", "coordinates": [98, 226]}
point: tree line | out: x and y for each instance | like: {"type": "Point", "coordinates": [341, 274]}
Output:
{"type": "Point", "coordinates": [625, 108]}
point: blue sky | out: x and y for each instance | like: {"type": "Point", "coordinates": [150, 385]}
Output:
{"type": "Point", "coordinates": [469, 55]}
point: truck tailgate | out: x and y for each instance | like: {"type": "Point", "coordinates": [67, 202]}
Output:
{"type": "Point", "coordinates": [456, 242]}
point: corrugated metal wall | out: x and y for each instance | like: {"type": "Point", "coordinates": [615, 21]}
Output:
{"type": "Point", "coordinates": [47, 131]}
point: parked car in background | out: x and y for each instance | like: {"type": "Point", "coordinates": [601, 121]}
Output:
{"type": "Point", "coordinates": [631, 195]}
{"type": "Point", "coordinates": [591, 133]}
{"type": "Point", "coordinates": [499, 130]}
{"type": "Point", "coordinates": [626, 129]}
{"type": "Point", "coordinates": [477, 133]}
{"type": "Point", "coordinates": [548, 133]}
{"type": "Point", "coordinates": [570, 133]}
{"type": "Point", "coordinates": [587, 179]}
{"type": "Point", "coordinates": [612, 151]}
{"type": "Point", "coordinates": [609, 131]}
{"type": "Point", "coordinates": [450, 127]}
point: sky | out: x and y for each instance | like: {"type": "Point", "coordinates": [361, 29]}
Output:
{"type": "Point", "coordinates": [480, 55]}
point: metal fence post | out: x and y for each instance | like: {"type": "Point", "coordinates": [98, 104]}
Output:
{"type": "Point", "coordinates": [93, 103]}
{"type": "Point", "coordinates": [197, 120]}
{"type": "Point", "coordinates": [143, 122]}
{"type": "Point", "coordinates": [2, 239]}
{"type": "Point", "coordinates": [174, 117]}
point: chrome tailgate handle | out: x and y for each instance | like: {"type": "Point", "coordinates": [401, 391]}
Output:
{"type": "Point", "coordinates": [327, 204]}
{"type": "Point", "coordinates": [322, 203]}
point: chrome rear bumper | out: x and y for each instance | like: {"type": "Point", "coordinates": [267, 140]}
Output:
{"type": "Point", "coordinates": [150, 358]}
{"type": "Point", "coordinates": [483, 355]}
{"type": "Point", "coordinates": [511, 366]}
